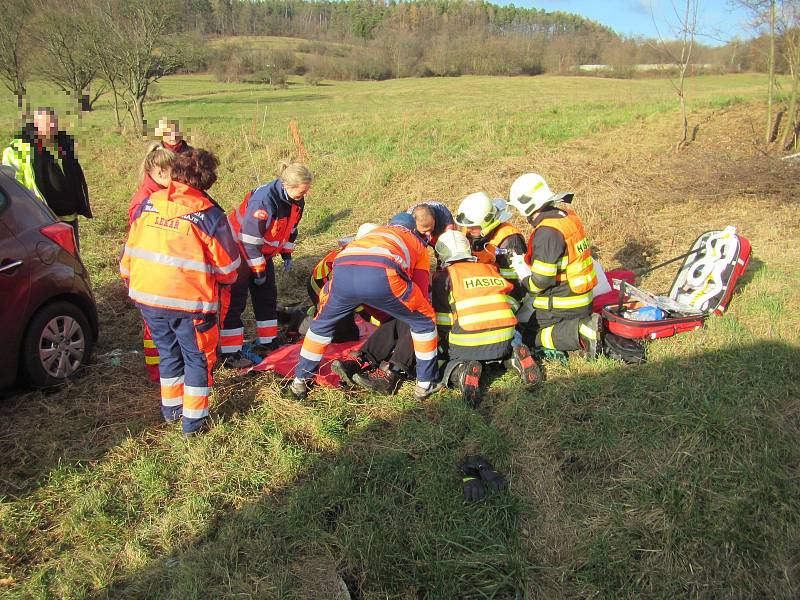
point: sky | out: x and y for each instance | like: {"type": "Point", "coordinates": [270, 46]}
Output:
{"type": "Point", "coordinates": [717, 18]}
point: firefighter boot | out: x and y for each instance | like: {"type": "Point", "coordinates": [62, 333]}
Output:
{"type": "Point", "coordinates": [467, 378]}
{"type": "Point", "coordinates": [523, 363]}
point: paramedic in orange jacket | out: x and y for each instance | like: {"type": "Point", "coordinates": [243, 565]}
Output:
{"type": "Point", "coordinates": [387, 269]}
{"type": "Point", "coordinates": [179, 252]}
{"type": "Point", "coordinates": [475, 318]}
{"type": "Point", "coordinates": [557, 270]}
{"type": "Point", "coordinates": [265, 225]}
{"type": "Point", "coordinates": [346, 328]}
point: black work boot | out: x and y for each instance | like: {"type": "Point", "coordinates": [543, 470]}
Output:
{"type": "Point", "coordinates": [263, 350]}
{"type": "Point", "coordinates": [346, 368]}
{"type": "Point", "coordinates": [234, 360]}
{"type": "Point", "coordinates": [381, 381]}
{"type": "Point", "coordinates": [467, 378]}
{"type": "Point", "coordinates": [522, 363]}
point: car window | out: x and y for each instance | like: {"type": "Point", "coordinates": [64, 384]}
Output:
{"type": "Point", "coordinates": [22, 210]}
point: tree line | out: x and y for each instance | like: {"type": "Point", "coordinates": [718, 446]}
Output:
{"type": "Point", "coordinates": [89, 48]}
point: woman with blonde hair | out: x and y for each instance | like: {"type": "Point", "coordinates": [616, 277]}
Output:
{"type": "Point", "coordinates": [154, 175]}
{"type": "Point", "coordinates": [264, 224]}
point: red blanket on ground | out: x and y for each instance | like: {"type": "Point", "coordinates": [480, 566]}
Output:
{"type": "Point", "coordinates": [284, 359]}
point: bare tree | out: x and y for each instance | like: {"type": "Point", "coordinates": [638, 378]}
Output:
{"type": "Point", "coordinates": [65, 58]}
{"type": "Point", "coordinates": [683, 25]}
{"type": "Point", "coordinates": [139, 45]}
{"type": "Point", "coordinates": [763, 12]}
{"type": "Point", "coordinates": [13, 28]}
{"type": "Point", "coordinates": [788, 30]}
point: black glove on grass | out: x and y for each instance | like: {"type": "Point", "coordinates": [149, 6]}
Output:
{"type": "Point", "coordinates": [474, 490]}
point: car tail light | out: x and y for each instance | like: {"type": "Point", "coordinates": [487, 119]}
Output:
{"type": "Point", "coordinates": [62, 234]}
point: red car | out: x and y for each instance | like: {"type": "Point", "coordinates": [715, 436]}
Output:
{"type": "Point", "coordinates": [48, 317]}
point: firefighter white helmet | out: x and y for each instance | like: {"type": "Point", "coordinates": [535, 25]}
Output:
{"type": "Point", "coordinates": [530, 193]}
{"type": "Point", "coordinates": [452, 246]}
{"type": "Point", "coordinates": [478, 210]}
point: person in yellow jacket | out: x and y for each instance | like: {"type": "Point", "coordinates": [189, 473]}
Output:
{"type": "Point", "coordinates": [47, 164]}
{"type": "Point", "coordinates": [475, 318]}
{"type": "Point", "coordinates": [557, 269]}
{"type": "Point", "coordinates": [179, 251]}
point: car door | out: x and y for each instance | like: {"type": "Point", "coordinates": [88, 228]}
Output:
{"type": "Point", "coordinates": [15, 270]}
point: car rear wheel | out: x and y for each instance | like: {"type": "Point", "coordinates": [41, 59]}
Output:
{"type": "Point", "coordinates": [57, 344]}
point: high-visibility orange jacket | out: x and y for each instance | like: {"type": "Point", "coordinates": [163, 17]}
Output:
{"type": "Point", "coordinates": [474, 311]}
{"type": "Point", "coordinates": [504, 237]}
{"type": "Point", "coordinates": [391, 247]}
{"type": "Point", "coordinates": [561, 262]}
{"type": "Point", "coordinates": [265, 224]}
{"type": "Point", "coordinates": [179, 250]}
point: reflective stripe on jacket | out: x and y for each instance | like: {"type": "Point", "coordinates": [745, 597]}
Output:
{"type": "Point", "coordinates": [394, 247]}
{"type": "Point", "coordinates": [179, 250]}
{"type": "Point", "coordinates": [265, 224]}
{"type": "Point", "coordinates": [19, 154]}
{"type": "Point", "coordinates": [573, 272]}
{"type": "Point", "coordinates": [481, 311]}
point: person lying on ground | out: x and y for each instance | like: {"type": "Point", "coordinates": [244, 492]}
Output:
{"type": "Point", "coordinates": [432, 219]}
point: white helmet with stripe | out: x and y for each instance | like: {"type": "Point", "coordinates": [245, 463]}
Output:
{"type": "Point", "coordinates": [530, 193]}
{"type": "Point", "coordinates": [452, 246]}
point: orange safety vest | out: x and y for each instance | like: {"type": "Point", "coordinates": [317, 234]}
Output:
{"type": "Point", "coordinates": [482, 312]}
{"type": "Point", "coordinates": [176, 255]}
{"type": "Point", "coordinates": [496, 237]}
{"type": "Point", "coordinates": [575, 267]}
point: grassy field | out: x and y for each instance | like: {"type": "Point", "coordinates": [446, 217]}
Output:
{"type": "Point", "coordinates": [675, 478]}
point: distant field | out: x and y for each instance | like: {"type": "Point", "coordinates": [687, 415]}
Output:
{"type": "Point", "coordinates": [677, 478]}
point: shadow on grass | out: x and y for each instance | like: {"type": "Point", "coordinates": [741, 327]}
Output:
{"type": "Point", "coordinates": [74, 425]}
{"type": "Point", "coordinates": [327, 219]}
{"type": "Point", "coordinates": [678, 477]}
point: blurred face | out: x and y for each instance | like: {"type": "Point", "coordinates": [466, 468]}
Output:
{"type": "Point", "coordinates": [473, 232]}
{"type": "Point", "coordinates": [161, 176]}
{"type": "Point", "coordinates": [295, 192]}
{"type": "Point", "coordinates": [171, 136]}
{"type": "Point", "coordinates": [46, 125]}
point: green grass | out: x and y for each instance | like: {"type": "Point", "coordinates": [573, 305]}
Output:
{"type": "Point", "coordinates": [671, 479]}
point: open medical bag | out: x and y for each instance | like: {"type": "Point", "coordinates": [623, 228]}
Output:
{"type": "Point", "coordinates": [703, 286]}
